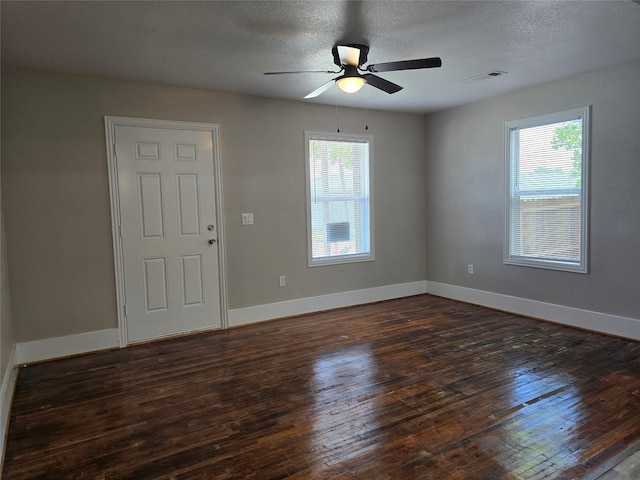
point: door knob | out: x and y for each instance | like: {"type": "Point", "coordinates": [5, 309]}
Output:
{"type": "Point", "coordinates": [210, 227]}
{"type": "Point", "coordinates": [212, 241]}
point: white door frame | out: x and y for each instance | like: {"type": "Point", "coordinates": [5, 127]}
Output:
{"type": "Point", "coordinates": [110, 125]}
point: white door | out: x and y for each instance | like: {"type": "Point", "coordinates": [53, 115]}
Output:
{"type": "Point", "coordinates": [168, 227]}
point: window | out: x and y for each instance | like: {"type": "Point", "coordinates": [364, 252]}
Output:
{"type": "Point", "coordinates": [339, 210]}
{"type": "Point", "coordinates": [547, 191]}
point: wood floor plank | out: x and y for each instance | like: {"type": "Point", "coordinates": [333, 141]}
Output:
{"type": "Point", "coordinates": [415, 388]}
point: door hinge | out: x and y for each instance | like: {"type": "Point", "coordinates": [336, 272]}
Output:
{"type": "Point", "coordinates": [126, 312]}
{"type": "Point", "coordinates": [120, 230]}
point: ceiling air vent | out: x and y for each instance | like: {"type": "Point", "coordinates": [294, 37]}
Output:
{"type": "Point", "coordinates": [484, 76]}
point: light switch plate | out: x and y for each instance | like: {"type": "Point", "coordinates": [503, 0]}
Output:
{"type": "Point", "coordinates": [247, 219]}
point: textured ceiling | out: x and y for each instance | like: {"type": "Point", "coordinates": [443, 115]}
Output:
{"type": "Point", "coordinates": [226, 46]}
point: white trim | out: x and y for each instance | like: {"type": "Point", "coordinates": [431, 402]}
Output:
{"type": "Point", "coordinates": [300, 306]}
{"type": "Point", "coordinates": [6, 397]}
{"type": "Point", "coordinates": [49, 348]}
{"type": "Point", "coordinates": [110, 125]}
{"type": "Point", "coordinates": [574, 317]}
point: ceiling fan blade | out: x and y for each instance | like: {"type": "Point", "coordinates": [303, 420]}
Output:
{"type": "Point", "coordinates": [433, 62]}
{"type": "Point", "coordinates": [323, 88]}
{"type": "Point", "coordinates": [299, 71]}
{"type": "Point", "coordinates": [381, 83]}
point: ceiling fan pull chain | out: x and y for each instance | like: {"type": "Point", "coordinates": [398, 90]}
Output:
{"type": "Point", "coordinates": [337, 118]}
{"type": "Point", "coordinates": [366, 118]}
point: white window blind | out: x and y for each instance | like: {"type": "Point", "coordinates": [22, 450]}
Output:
{"type": "Point", "coordinates": [338, 198]}
{"type": "Point", "coordinates": [547, 191]}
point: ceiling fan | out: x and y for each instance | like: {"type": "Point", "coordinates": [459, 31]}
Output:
{"type": "Point", "coordinates": [351, 58]}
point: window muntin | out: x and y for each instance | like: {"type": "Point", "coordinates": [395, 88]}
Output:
{"type": "Point", "coordinates": [339, 208]}
{"type": "Point", "coordinates": [547, 191]}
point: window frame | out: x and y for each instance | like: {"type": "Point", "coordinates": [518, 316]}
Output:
{"type": "Point", "coordinates": [511, 193]}
{"type": "Point", "coordinates": [338, 137]}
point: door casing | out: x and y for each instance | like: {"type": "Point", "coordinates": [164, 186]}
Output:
{"type": "Point", "coordinates": [110, 124]}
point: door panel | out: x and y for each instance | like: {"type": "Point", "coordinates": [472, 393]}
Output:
{"type": "Point", "coordinates": [150, 205]}
{"type": "Point", "coordinates": [167, 198]}
{"type": "Point", "coordinates": [155, 284]}
{"type": "Point", "coordinates": [188, 205]}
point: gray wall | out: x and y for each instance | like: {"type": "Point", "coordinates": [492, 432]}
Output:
{"type": "Point", "coordinates": [57, 214]}
{"type": "Point", "coordinates": [7, 341]}
{"type": "Point", "coordinates": [465, 188]}
{"type": "Point", "coordinates": [447, 168]}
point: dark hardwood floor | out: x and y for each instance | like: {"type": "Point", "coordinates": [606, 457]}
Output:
{"type": "Point", "coordinates": [415, 388]}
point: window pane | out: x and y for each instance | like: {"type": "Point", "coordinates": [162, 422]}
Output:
{"type": "Point", "coordinates": [547, 201]}
{"type": "Point", "coordinates": [550, 228]}
{"type": "Point", "coordinates": [338, 190]}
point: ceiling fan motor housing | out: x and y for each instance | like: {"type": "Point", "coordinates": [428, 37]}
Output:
{"type": "Point", "coordinates": [350, 71]}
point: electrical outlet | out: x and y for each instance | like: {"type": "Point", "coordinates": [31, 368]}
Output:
{"type": "Point", "coordinates": [283, 281]}
{"type": "Point", "coordinates": [470, 269]}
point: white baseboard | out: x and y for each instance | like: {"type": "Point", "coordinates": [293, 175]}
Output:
{"type": "Point", "coordinates": [48, 348]}
{"type": "Point", "coordinates": [6, 398]}
{"type": "Point", "coordinates": [260, 313]}
{"type": "Point", "coordinates": [573, 317]}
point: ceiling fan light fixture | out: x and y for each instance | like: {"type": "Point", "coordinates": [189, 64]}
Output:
{"type": "Point", "coordinates": [350, 84]}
